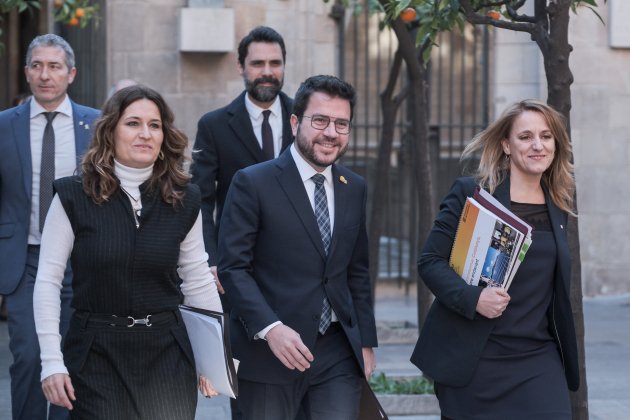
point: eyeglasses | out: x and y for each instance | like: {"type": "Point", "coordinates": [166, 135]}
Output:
{"type": "Point", "coordinates": [321, 122]}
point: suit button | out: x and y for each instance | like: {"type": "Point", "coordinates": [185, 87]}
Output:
{"type": "Point", "coordinates": [326, 280]}
{"type": "Point", "coordinates": [315, 317]}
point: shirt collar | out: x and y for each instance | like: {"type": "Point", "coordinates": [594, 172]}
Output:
{"type": "Point", "coordinates": [255, 111]}
{"type": "Point", "coordinates": [306, 170]}
{"type": "Point", "coordinates": [65, 107]}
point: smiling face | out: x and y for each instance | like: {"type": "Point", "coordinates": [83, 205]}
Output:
{"type": "Point", "coordinates": [48, 76]}
{"type": "Point", "coordinates": [139, 135]}
{"type": "Point", "coordinates": [321, 148]}
{"type": "Point", "coordinates": [263, 72]}
{"type": "Point", "coordinates": [531, 145]}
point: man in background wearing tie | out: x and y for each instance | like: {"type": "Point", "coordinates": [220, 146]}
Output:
{"type": "Point", "coordinates": [253, 128]}
{"type": "Point", "coordinates": [41, 140]}
{"type": "Point", "coordinates": [293, 259]}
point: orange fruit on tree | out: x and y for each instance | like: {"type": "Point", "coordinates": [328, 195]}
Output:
{"type": "Point", "coordinates": [493, 14]}
{"type": "Point", "coordinates": [80, 12]}
{"type": "Point", "coordinates": [408, 15]}
{"type": "Point", "coordinates": [74, 21]}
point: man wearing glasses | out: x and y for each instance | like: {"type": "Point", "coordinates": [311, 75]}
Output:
{"type": "Point", "coordinates": [293, 259]}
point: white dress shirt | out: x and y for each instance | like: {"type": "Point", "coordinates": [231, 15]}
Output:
{"type": "Point", "coordinates": [65, 154]}
{"type": "Point", "coordinates": [306, 173]}
{"type": "Point", "coordinates": [275, 121]}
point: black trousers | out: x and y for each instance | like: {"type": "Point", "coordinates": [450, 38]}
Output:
{"type": "Point", "coordinates": [139, 372]}
{"type": "Point", "coordinates": [329, 389]}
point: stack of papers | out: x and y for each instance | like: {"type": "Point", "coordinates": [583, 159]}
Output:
{"type": "Point", "coordinates": [210, 341]}
{"type": "Point", "coordinates": [490, 243]}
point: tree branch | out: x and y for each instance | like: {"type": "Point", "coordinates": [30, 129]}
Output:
{"type": "Point", "coordinates": [475, 18]}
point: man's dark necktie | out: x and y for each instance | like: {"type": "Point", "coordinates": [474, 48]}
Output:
{"type": "Point", "coordinates": [323, 221]}
{"type": "Point", "coordinates": [47, 172]}
{"type": "Point", "coordinates": [267, 136]}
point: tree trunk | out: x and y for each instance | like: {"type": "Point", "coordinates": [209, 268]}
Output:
{"type": "Point", "coordinates": [420, 150]}
{"type": "Point", "coordinates": [390, 105]}
{"type": "Point", "coordinates": [556, 51]}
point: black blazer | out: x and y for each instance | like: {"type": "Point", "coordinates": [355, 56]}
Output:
{"type": "Point", "coordinates": [454, 334]}
{"type": "Point", "coordinates": [226, 143]}
{"type": "Point", "coordinates": [273, 265]}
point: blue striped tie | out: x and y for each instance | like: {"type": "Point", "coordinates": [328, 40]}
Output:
{"type": "Point", "coordinates": [323, 221]}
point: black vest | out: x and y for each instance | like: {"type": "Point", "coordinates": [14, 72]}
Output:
{"type": "Point", "coordinates": [120, 269]}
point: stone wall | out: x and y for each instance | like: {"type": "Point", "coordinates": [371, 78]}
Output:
{"type": "Point", "coordinates": [600, 121]}
{"type": "Point", "coordinates": [143, 45]}
{"type": "Point", "coordinates": [600, 130]}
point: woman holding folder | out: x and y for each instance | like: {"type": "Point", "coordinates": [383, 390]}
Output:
{"type": "Point", "coordinates": [131, 226]}
{"type": "Point", "coordinates": [495, 355]}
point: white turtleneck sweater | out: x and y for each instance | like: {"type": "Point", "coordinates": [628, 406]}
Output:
{"type": "Point", "coordinates": [198, 284]}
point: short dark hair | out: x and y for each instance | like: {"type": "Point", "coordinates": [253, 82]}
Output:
{"type": "Point", "coordinates": [260, 34]}
{"type": "Point", "coordinates": [331, 85]}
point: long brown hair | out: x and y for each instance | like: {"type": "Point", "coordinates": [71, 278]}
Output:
{"type": "Point", "coordinates": [494, 167]}
{"type": "Point", "coordinates": [97, 166]}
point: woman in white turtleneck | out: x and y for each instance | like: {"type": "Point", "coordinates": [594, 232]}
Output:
{"type": "Point", "coordinates": [131, 226]}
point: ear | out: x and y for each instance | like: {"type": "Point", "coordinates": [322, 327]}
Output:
{"type": "Point", "coordinates": [505, 143]}
{"type": "Point", "coordinates": [240, 68]}
{"type": "Point", "coordinates": [294, 124]}
{"type": "Point", "coordinates": [73, 73]}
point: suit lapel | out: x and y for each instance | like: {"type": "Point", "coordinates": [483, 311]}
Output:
{"type": "Point", "coordinates": [241, 124]}
{"type": "Point", "coordinates": [340, 206]}
{"type": "Point", "coordinates": [82, 131]}
{"type": "Point", "coordinates": [558, 225]}
{"type": "Point", "coordinates": [22, 137]}
{"type": "Point", "coordinates": [287, 133]}
{"type": "Point", "coordinates": [502, 193]}
{"type": "Point", "coordinates": [292, 185]}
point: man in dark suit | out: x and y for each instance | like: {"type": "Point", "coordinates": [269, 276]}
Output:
{"type": "Point", "coordinates": [232, 137]}
{"type": "Point", "coordinates": [40, 140]}
{"type": "Point", "coordinates": [293, 258]}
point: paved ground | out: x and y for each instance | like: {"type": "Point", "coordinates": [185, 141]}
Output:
{"type": "Point", "coordinates": [607, 352]}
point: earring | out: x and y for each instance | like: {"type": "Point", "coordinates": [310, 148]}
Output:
{"type": "Point", "coordinates": [507, 157]}
{"type": "Point", "coordinates": [161, 155]}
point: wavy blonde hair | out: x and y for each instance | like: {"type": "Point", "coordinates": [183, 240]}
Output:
{"type": "Point", "coordinates": [97, 166]}
{"type": "Point", "coordinates": [494, 167]}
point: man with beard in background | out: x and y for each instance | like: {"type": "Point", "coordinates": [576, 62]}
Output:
{"type": "Point", "coordinates": [253, 128]}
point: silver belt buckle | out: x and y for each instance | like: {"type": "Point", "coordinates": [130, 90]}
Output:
{"type": "Point", "coordinates": [140, 321]}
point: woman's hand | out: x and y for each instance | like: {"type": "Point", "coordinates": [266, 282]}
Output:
{"type": "Point", "coordinates": [58, 390]}
{"type": "Point", "coordinates": [205, 387]}
{"type": "Point", "coordinates": [492, 302]}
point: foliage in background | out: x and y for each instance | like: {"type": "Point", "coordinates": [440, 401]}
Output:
{"type": "Point", "coordinates": [75, 12]}
{"type": "Point", "coordinates": [381, 384]}
{"type": "Point", "coordinates": [68, 12]}
{"type": "Point", "coordinates": [7, 6]}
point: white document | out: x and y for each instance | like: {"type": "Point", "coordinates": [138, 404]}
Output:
{"type": "Point", "coordinates": [211, 348]}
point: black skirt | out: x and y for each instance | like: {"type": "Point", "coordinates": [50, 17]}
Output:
{"type": "Point", "coordinates": [139, 372]}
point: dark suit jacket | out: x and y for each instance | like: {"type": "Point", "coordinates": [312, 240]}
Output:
{"type": "Point", "coordinates": [16, 175]}
{"type": "Point", "coordinates": [226, 143]}
{"type": "Point", "coordinates": [454, 335]}
{"type": "Point", "coordinates": [273, 265]}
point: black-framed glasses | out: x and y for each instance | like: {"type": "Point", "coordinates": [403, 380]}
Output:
{"type": "Point", "coordinates": [321, 122]}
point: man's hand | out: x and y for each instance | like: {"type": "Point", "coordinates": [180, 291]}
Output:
{"type": "Point", "coordinates": [58, 390]}
{"type": "Point", "coordinates": [369, 361]}
{"type": "Point", "coordinates": [492, 302]}
{"type": "Point", "coordinates": [205, 387]}
{"type": "Point", "coordinates": [213, 270]}
{"type": "Point", "coordinates": [288, 347]}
